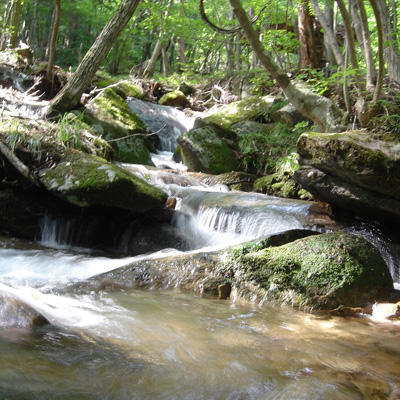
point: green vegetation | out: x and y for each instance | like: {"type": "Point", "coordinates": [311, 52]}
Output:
{"type": "Point", "coordinates": [265, 153]}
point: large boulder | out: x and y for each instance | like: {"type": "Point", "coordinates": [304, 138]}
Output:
{"type": "Point", "coordinates": [317, 272]}
{"type": "Point", "coordinates": [250, 109]}
{"type": "Point", "coordinates": [109, 113]}
{"type": "Point", "coordinates": [352, 171]}
{"type": "Point", "coordinates": [202, 150]}
{"type": "Point", "coordinates": [86, 180]}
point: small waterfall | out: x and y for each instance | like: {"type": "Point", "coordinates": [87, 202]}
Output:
{"type": "Point", "coordinates": [56, 231]}
{"type": "Point", "coordinates": [167, 122]}
{"type": "Point", "coordinates": [209, 218]}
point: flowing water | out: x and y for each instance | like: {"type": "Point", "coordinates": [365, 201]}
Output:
{"type": "Point", "coordinates": [119, 343]}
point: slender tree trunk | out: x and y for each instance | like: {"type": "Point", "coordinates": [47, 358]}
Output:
{"type": "Point", "coordinates": [151, 66]}
{"type": "Point", "coordinates": [329, 34]}
{"type": "Point", "coordinates": [69, 96]}
{"type": "Point", "coordinates": [381, 61]}
{"type": "Point", "coordinates": [166, 65]}
{"type": "Point", "coordinates": [352, 49]}
{"type": "Point", "coordinates": [319, 109]}
{"type": "Point", "coordinates": [52, 49]}
{"type": "Point", "coordinates": [366, 45]}
{"type": "Point", "coordinates": [15, 22]}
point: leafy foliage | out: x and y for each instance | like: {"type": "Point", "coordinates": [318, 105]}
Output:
{"type": "Point", "coordinates": [264, 153]}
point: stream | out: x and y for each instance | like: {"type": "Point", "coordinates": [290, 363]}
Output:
{"type": "Point", "coordinates": [158, 344]}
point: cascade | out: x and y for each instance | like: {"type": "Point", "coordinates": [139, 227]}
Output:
{"type": "Point", "coordinates": [167, 122]}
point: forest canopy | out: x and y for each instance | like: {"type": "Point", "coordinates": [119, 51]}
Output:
{"type": "Point", "coordinates": [351, 45]}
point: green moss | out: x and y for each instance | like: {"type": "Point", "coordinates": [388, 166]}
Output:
{"type": "Point", "coordinates": [252, 108]}
{"type": "Point", "coordinates": [203, 151]}
{"type": "Point", "coordinates": [175, 98]}
{"type": "Point", "coordinates": [127, 89]}
{"type": "Point", "coordinates": [109, 106]}
{"type": "Point", "coordinates": [318, 271]}
{"type": "Point", "coordinates": [89, 180]}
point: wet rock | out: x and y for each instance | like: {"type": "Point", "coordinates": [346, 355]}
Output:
{"type": "Point", "coordinates": [317, 272]}
{"type": "Point", "coordinates": [187, 272]}
{"type": "Point", "coordinates": [233, 180]}
{"type": "Point", "coordinates": [352, 171]}
{"type": "Point", "coordinates": [117, 123]}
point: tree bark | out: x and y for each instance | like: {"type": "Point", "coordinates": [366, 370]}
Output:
{"type": "Point", "coordinates": [381, 61]}
{"type": "Point", "coordinates": [52, 49]}
{"type": "Point", "coordinates": [366, 45]}
{"type": "Point", "coordinates": [351, 47]}
{"type": "Point", "coordinates": [151, 66]}
{"type": "Point", "coordinates": [307, 51]}
{"type": "Point", "coordinates": [328, 34]}
{"type": "Point", "coordinates": [15, 21]}
{"type": "Point", "coordinates": [68, 98]}
{"type": "Point", "coordinates": [319, 109]}
{"type": "Point", "coordinates": [391, 49]}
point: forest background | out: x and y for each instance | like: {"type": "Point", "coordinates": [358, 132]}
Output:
{"type": "Point", "coordinates": [346, 51]}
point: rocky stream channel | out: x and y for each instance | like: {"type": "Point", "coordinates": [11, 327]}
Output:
{"type": "Point", "coordinates": [139, 279]}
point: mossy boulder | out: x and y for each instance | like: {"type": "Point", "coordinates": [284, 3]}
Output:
{"type": "Point", "coordinates": [176, 98]}
{"type": "Point", "coordinates": [281, 185]}
{"type": "Point", "coordinates": [317, 272]}
{"type": "Point", "coordinates": [111, 116]}
{"type": "Point", "coordinates": [127, 89]}
{"type": "Point", "coordinates": [202, 150]}
{"type": "Point", "coordinates": [353, 171]}
{"type": "Point", "coordinates": [251, 109]}
{"type": "Point", "coordinates": [87, 180]}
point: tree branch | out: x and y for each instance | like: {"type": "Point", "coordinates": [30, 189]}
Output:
{"type": "Point", "coordinates": [223, 30]}
{"type": "Point", "coordinates": [17, 163]}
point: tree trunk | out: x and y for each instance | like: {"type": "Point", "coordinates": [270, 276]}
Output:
{"type": "Point", "coordinates": [366, 45]}
{"type": "Point", "coordinates": [391, 49]}
{"type": "Point", "coordinates": [69, 96]}
{"type": "Point", "coordinates": [15, 21]}
{"type": "Point", "coordinates": [351, 47]}
{"type": "Point", "coordinates": [52, 49]}
{"type": "Point", "coordinates": [381, 61]}
{"type": "Point", "coordinates": [319, 109]}
{"type": "Point", "coordinates": [307, 50]}
{"type": "Point", "coordinates": [151, 66]}
{"type": "Point", "coordinates": [329, 34]}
